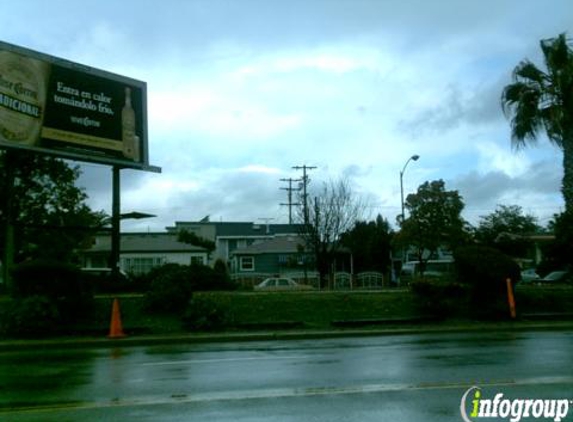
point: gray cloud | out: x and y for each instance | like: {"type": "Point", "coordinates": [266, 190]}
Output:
{"type": "Point", "coordinates": [424, 68]}
{"type": "Point", "coordinates": [480, 107]}
{"type": "Point", "coordinates": [537, 191]}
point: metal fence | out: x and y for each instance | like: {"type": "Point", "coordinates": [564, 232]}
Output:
{"type": "Point", "coordinates": [340, 281]}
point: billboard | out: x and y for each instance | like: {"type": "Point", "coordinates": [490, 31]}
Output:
{"type": "Point", "coordinates": [62, 108]}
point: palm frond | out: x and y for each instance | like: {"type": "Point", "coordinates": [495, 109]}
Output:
{"type": "Point", "coordinates": [553, 119]}
{"type": "Point", "coordinates": [527, 120]}
{"type": "Point", "coordinates": [528, 73]}
{"type": "Point", "coordinates": [519, 96]}
{"type": "Point", "coordinates": [557, 54]}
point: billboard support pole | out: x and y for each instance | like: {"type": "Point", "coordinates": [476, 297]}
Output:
{"type": "Point", "coordinates": [115, 224]}
{"type": "Point", "coordinates": [8, 256]}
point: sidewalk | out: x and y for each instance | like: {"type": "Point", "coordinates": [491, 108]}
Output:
{"type": "Point", "coordinates": [299, 334]}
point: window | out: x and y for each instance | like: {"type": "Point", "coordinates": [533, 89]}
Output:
{"type": "Point", "coordinates": [247, 263]}
{"type": "Point", "coordinates": [197, 260]}
{"type": "Point", "coordinates": [138, 266]}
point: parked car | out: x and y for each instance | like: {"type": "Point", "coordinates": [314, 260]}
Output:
{"type": "Point", "coordinates": [556, 277]}
{"type": "Point", "coordinates": [280, 283]}
{"type": "Point", "coordinates": [434, 269]}
{"type": "Point", "coordinates": [104, 273]}
{"type": "Point", "coordinates": [529, 276]}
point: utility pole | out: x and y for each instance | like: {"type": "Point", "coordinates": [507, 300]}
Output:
{"type": "Point", "coordinates": [9, 218]}
{"type": "Point", "coordinates": [305, 181]}
{"type": "Point", "coordinates": [115, 224]}
{"type": "Point", "coordinates": [290, 190]}
{"type": "Point", "coordinates": [267, 223]}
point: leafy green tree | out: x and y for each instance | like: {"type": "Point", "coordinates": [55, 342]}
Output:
{"type": "Point", "coordinates": [434, 221]}
{"type": "Point", "coordinates": [50, 217]}
{"type": "Point", "coordinates": [557, 255]}
{"type": "Point", "coordinates": [506, 229]}
{"type": "Point", "coordinates": [542, 101]}
{"type": "Point", "coordinates": [191, 238]}
{"type": "Point", "coordinates": [370, 243]}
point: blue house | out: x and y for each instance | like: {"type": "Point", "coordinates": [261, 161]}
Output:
{"type": "Point", "coordinates": [278, 255]}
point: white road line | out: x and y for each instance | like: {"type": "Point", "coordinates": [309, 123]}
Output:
{"type": "Point", "coordinates": [195, 361]}
{"type": "Point", "coordinates": [278, 393]}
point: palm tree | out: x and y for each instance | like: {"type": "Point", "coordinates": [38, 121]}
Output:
{"type": "Point", "coordinates": [542, 101]}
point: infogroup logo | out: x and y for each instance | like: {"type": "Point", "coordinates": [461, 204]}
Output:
{"type": "Point", "coordinates": [474, 407]}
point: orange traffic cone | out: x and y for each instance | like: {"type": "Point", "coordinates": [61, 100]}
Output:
{"type": "Point", "coordinates": [510, 299]}
{"type": "Point", "coordinates": [115, 327]}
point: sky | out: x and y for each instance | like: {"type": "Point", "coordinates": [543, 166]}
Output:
{"type": "Point", "coordinates": [240, 91]}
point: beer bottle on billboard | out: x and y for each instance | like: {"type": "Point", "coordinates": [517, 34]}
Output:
{"type": "Point", "coordinates": [130, 149]}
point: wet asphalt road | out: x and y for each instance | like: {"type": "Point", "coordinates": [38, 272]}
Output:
{"type": "Point", "coordinates": [390, 378]}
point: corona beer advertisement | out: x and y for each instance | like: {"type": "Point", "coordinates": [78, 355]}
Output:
{"type": "Point", "coordinates": [54, 106]}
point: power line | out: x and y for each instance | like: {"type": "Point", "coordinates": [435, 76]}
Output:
{"type": "Point", "coordinates": [290, 190]}
{"type": "Point", "coordinates": [305, 182]}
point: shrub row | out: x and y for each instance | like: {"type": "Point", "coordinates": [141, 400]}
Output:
{"type": "Point", "coordinates": [47, 297]}
{"type": "Point", "coordinates": [50, 297]}
{"type": "Point", "coordinates": [478, 289]}
{"type": "Point", "coordinates": [171, 286]}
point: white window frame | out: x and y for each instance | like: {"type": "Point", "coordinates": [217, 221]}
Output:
{"type": "Point", "coordinates": [250, 266]}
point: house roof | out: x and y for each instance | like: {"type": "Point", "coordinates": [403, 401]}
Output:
{"type": "Point", "coordinates": [144, 242]}
{"type": "Point", "coordinates": [278, 244]}
{"type": "Point", "coordinates": [241, 229]}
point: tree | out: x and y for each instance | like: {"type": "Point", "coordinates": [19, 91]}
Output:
{"type": "Point", "coordinates": [434, 220]}
{"type": "Point", "coordinates": [49, 214]}
{"type": "Point", "coordinates": [191, 238]}
{"type": "Point", "coordinates": [335, 210]}
{"type": "Point", "coordinates": [370, 243]}
{"type": "Point", "coordinates": [506, 229]}
{"type": "Point", "coordinates": [542, 100]}
{"type": "Point", "coordinates": [557, 255]}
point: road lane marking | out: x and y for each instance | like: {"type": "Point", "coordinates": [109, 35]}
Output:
{"type": "Point", "coordinates": [195, 361]}
{"type": "Point", "coordinates": [278, 393]}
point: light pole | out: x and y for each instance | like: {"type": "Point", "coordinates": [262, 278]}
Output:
{"type": "Point", "coordinates": [412, 158]}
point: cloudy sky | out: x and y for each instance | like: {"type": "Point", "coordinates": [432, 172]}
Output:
{"type": "Point", "coordinates": [239, 91]}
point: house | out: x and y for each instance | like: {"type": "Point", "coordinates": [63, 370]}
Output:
{"type": "Point", "coordinates": [230, 236]}
{"type": "Point", "coordinates": [140, 252]}
{"type": "Point", "coordinates": [277, 255]}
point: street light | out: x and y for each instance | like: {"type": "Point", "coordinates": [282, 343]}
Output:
{"type": "Point", "coordinates": [412, 158]}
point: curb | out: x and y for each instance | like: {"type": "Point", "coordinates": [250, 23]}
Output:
{"type": "Point", "coordinates": [138, 341]}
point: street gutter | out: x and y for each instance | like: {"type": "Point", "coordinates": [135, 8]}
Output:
{"type": "Point", "coordinates": [302, 334]}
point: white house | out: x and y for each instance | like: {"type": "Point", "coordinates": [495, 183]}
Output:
{"type": "Point", "coordinates": [140, 252]}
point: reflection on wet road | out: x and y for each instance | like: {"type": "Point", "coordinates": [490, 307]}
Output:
{"type": "Point", "coordinates": [408, 377]}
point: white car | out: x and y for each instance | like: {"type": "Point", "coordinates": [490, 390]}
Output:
{"type": "Point", "coordinates": [555, 277]}
{"type": "Point", "coordinates": [529, 276]}
{"type": "Point", "coordinates": [280, 283]}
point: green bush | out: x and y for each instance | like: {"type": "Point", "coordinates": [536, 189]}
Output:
{"type": "Point", "coordinates": [485, 270]}
{"type": "Point", "coordinates": [439, 298]}
{"type": "Point", "coordinates": [205, 314]}
{"type": "Point", "coordinates": [170, 289]}
{"type": "Point", "coordinates": [172, 285]}
{"type": "Point", "coordinates": [62, 283]}
{"type": "Point", "coordinates": [103, 282]}
{"type": "Point", "coordinates": [33, 316]}
{"type": "Point", "coordinates": [205, 278]}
